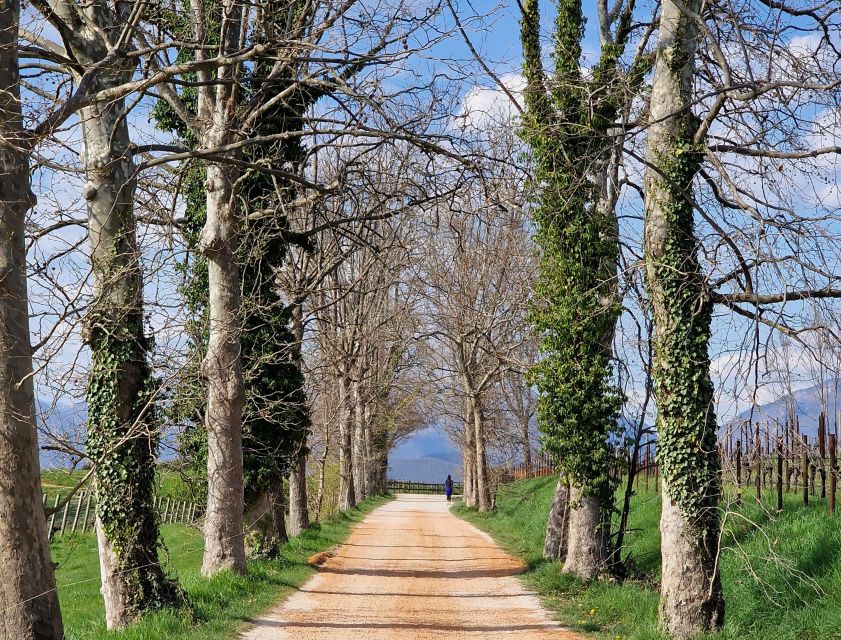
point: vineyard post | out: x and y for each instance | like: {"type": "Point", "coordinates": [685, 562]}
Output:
{"type": "Point", "coordinates": [64, 516]}
{"type": "Point", "coordinates": [822, 452]}
{"type": "Point", "coordinates": [87, 512]}
{"type": "Point", "coordinates": [786, 448]}
{"type": "Point", "coordinates": [833, 471]}
{"type": "Point", "coordinates": [757, 453]}
{"type": "Point", "coordinates": [76, 516]}
{"type": "Point", "coordinates": [779, 473]}
{"type": "Point", "coordinates": [738, 472]}
{"type": "Point", "coordinates": [804, 461]}
{"type": "Point", "coordinates": [52, 518]}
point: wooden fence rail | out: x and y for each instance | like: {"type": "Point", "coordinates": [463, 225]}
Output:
{"type": "Point", "coordinates": [403, 486]}
{"type": "Point", "coordinates": [540, 466]}
{"type": "Point", "coordinates": [78, 513]}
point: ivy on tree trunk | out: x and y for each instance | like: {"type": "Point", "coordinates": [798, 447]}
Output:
{"type": "Point", "coordinates": [575, 308]}
{"type": "Point", "coordinates": [691, 599]}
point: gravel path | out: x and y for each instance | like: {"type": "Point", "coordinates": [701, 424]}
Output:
{"type": "Point", "coordinates": [412, 571]}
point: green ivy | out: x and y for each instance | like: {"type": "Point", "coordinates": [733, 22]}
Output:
{"type": "Point", "coordinates": [575, 306]}
{"type": "Point", "coordinates": [686, 421]}
{"type": "Point", "coordinates": [123, 440]}
{"type": "Point", "coordinates": [276, 415]}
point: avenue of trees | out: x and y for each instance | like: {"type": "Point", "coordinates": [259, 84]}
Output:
{"type": "Point", "coordinates": [266, 242]}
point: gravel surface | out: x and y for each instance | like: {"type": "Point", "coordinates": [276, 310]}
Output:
{"type": "Point", "coordinates": [412, 571]}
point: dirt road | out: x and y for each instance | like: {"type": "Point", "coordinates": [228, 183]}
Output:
{"type": "Point", "coordinates": [412, 571]}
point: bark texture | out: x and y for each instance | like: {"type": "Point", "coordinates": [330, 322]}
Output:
{"type": "Point", "coordinates": [347, 495]}
{"type": "Point", "coordinates": [691, 600]}
{"type": "Point", "coordinates": [555, 541]}
{"type": "Point", "coordinates": [586, 540]}
{"type": "Point", "coordinates": [28, 601]}
{"type": "Point", "coordinates": [483, 493]}
{"type": "Point", "coordinates": [360, 488]}
{"type": "Point", "coordinates": [468, 459]}
{"type": "Point", "coordinates": [122, 437]}
{"type": "Point", "coordinates": [279, 533]}
{"type": "Point", "coordinates": [299, 517]}
{"type": "Point", "coordinates": [223, 540]}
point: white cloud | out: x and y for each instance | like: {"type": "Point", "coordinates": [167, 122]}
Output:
{"type": "Point", "coordinates": [485, 106]}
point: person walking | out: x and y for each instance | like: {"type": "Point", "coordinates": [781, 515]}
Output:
{"type": "Point", "coordinates": [448, 488]}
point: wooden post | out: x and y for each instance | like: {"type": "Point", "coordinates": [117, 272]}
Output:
{"type": "Point", "coordinates": [639, 465]}
{"type": "Point", "coordinates": [52, 518]}
{"type": "Point", "coordinates": [779, 474]}
{"type": "Point", "coordinates": [87, 511]}
{"type": "Point", "coordinates": [76, 517]}
{"type": "Point", "coordinates": [796, 454]}
{"type": "Point", "coordinates": [738, 472]}
{"type": "Point", "coordinates": [822, 452]}
{"type": "Point", "coordinates": [804, 461]}
{"type": "Point", "coordinates": [787, 449]}
{"type": "Point", "coordinates": [64, 516]}
{"type": "Point", "coordinates": [166, 511]}
{"type": "Point", "coordinates": [757, 454]}
{"type": "Point", "coordinates": [833, 471]}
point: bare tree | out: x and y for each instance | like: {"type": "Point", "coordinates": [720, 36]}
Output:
{"type": "Point", "coordinates": [476, 276]}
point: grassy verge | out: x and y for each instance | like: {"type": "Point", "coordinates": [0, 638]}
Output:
{"type": "Point", "coordinates": [781, 573]}
{"type": "Point", "coordinates": [219, 604]}
{"type": "Point", "coordinates": [170, 484]}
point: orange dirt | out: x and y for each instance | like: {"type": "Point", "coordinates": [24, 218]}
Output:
{"type": "Point", "coordinates": [412, 571]}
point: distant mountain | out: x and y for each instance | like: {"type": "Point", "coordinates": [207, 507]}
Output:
{"type": "Point", "coordinates": [422, 469]}
{"type": "Point", "coordinates": [63, 422]}
{"type": "Point", "coordinates": [427, 456]}
{"type": "Point", "coordinates": [807, 408]}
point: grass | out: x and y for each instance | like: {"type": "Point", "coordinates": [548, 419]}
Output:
{"type": "Point", "coordinates": [219, 605]}
{"type": "Point", "coordinates": [781, 573]}
{"type": "Point", "coordinates": [170, 484]}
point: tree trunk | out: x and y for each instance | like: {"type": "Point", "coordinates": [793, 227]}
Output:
{"type": "Point", "coordinates": [359, 488]}
{"type": "Point", "coordinates": [224, 543]}
{"type": "Point", "coordinates": [322, 469]}
{"type": "Point", "coordinates": [525, 442]}
{"type": "Point", "coordinates": [278, 512]}
{"type": "Point", "coordinates": [468, 459]}
{"type": "Point", "coordinates": [557, 524]}
{"type": "Point", "coordinates": [299, 518]}
{"type": "Point", "coordinates": [372, 456]}
{"type": "Point", "coordinates": [586, 537]}
{"type": "Point", "coordinates": [691, 600]}
{"type": "Point", "coordinates": [347, 496]}
{"type": "Point", "coordinates": [483, 494]}
{"type": "Point", "coordinates": [122, 438]}
{"type": "Point", "coordinates": [28, 600]}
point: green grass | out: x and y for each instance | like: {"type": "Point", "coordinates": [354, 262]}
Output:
{"type": "Point", "coordinates": [219, 605]}
{"type": "Point", "coordinates": [781, 573]}
{"type": "Point", "coordinates": [59, 481]}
